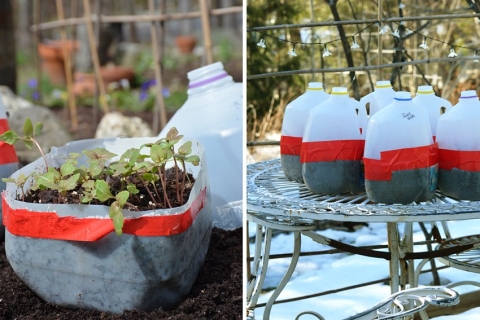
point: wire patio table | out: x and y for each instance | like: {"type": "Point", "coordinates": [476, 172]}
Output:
{"type": "Point", "coordinates": [276, 203]}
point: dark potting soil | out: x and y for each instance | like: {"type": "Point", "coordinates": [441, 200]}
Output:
{"type": "Point", "coordinates": [142, 201]}
{"type": "Point", "coordinates": [216, 294]}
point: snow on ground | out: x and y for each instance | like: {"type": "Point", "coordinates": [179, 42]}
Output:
{"type": "Point", "coordinates": [327, 272]}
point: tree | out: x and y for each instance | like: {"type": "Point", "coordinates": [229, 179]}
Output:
{"type": "Point", "coordinates": [8, 68]}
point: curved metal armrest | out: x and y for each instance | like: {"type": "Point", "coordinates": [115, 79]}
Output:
{"type": "Point", "coordinates": [404, 303]}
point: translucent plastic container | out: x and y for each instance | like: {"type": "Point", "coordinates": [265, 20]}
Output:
{"type": "Point", "coordinates": [381, 97]}
{"type": "Point", "coordinates": [8, 159]}
{"type": "Point", "coordinates": [294, 120]}
{"type": "Point", "coordinates": [332, 146]}
{"type": "Point", "coordinates": [458, 133]}
{"type": "Point", "coordinates": [401, 160]}
{"type": "Point", "coordinates": [434, 105]}
{"type": "Point", "coordinates": [213, 115]}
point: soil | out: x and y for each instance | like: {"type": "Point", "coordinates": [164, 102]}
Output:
{"type": "Point", "coordinates": [216, 294]}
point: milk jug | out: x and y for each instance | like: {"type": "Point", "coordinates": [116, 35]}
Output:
{"type": "Point", "coordinates": [213, 115]}
{"type": "Point", "coordinates": [401, 160]}
{"type": "Point", "coordinates": [434, 105]}
{"type": "Point", "coordinates": [458, 133]}
{"type": "Point", "coordinates": [8, 159]}
{"type": "Point", "coordinates": [294, 120]}
{"type": "Point", "coordinates": [332, 145]}
{"type": "Point", "coordinates": [381, 97]}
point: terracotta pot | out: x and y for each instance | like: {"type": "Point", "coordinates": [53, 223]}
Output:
{"type": "Point", "coordinates": [53, 62]}
{"type": "Point", "coordinates": [85, 83]}
{"type": "Point", "coordinates": [185, 44]}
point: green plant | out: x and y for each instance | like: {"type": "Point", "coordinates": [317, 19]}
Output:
{"type": "Point", "coordinates": [118, 183]}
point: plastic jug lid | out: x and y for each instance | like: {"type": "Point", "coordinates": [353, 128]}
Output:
{"type": "Point", "coordinates": [425, 89]}
{"type": "Point", "coordinates": [315, 86]}
{"type": "Point", "coordinates": [403, 96]}
{"type": "Point", "coordinates": [468, 94]}
{"type": "Point", "coordinates": [339, 90]}
{"type": "Point", "coordinates": [383, 84]}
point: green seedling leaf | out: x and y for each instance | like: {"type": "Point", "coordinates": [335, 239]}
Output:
{"type": "Point", "coordinates": [116, 215]}
{"type": "Point", "coordinates": [102, 191]}
{"type": "Point", "coordinates": [67, 169]}
{"type": "Point", "coordinates": [185, 149]}
{"type": "Point", "coordinates": [28, 143]}
{"type": "Point", "coordinates": [173, 137]}
{"type": "Point", "coordinates": [74, 155]}
{"type": "Point", "coordinates": [131, 155]}
{"type": "Point", "coordinates": [21, 179]}
{"type": "Point", "coordinates": [9, 137]}
{"type": "Point", "coordinates": [195, 160]}
{"type": "Point", "coordinates": [95, 169]}
{"type": "Point", "coordinates": [38, 129]}
{"type": "Point", "coordinates": [28, 128]}
{"type": "Point", "coordinates": [122, 197]}
{"type": "Point", "coordinates": [70, 183]}
{"type": "Point", "coordinates": [148, 177]}
{"type": "Point", "coordinates": [8, 180]}
{"type": "Point", "coordinates": [47, 180]}
{"type": "Point", "coordinates": [132, 188]}
{"type": "Point", "coordinates": [90, 184]}
{"type": "Point", "coordinates": [99, 153]}
{"type": "Point", "coordinates": [56, 175]}
{"type": "Point", "coordinates": [158, 154]}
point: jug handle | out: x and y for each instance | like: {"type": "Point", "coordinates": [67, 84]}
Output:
{"type": "Point", "coordinates": [367, 99]}
{"type": "Point", "coordinates": [362, 114]}
{"type": "Point", "coordinates": [447, 106]}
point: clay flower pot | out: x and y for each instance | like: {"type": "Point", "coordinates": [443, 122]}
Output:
{"type": "Point", "coordinates": [70, 256]}
{"type": "Point", "coordinates": [53, 61]}
{"type": "Point", "coordinates": [85, 83]}
{"type": "Point", "coordinates": [185, 44]}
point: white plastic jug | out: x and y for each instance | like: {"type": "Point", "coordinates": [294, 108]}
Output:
{"type": "Point", "coordinates": [294, 120]}
{"type": "Point", "coordinates": [434, 105]}
{"type": "Point", "coordinates": [332, 145]}
{"type": "Point", "coordinates": [458, 133]}
{"type": "Point", "coordinates": [213, 115]}
{"type": "Point", "coordinates": [400, 158]}
{"type": "Point", "coordinates": [381, 97]}
{"type": "Point", "coordinates": [8, 159]}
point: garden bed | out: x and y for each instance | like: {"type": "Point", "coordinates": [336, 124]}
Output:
{"type": "Point", "coordinates": [216, 294]}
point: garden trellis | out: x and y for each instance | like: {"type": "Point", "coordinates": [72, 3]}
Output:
{"type": "Point", "coordinates": [156, 16]}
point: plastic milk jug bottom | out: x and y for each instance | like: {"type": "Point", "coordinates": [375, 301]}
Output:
{"type": "Point", "coordinates": [405, 186]}
{"type": "Point", "coordinates": [460, 184]}
{"type": "Point", "coordinates": [292, 168]}
{"type": "Point", "coordinates": [333, 177]}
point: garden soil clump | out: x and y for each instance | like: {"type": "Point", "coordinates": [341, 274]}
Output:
{"type": "Point", "coordinates": [216, 294]}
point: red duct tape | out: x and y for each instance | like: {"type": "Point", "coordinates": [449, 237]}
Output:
{"type": "Point", "coordinates": [48, 225]}
{"type": "Point", "coordinates": [463, 160]}
{"type": "Point", "coordinates": [317, 151]}
{"type": "Point", "coordinates": [400, 159]}
{"type": "Point", "coordinates": [290, 146]}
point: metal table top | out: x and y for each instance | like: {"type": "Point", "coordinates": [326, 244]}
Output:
{"type": "Point", "coordinates": [270, 192]}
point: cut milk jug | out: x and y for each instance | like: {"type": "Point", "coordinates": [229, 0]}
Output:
{"type": "Point", "coordinates": [332, 146]}
{"type": "Point", "coordinates": [8, 159]}
{"type": "Point", "coordinates": [434, 105]}
{"type": "Point", "coordinates": [401, 160]}
{"type": "Point", "coordinates": [294, 120]}
{"type": "Point", "coordinates": [458, 131]}
{"type": "Point", "coordinates": [213, 115]}
{"type": "Point", "coordinates": [381, 97]}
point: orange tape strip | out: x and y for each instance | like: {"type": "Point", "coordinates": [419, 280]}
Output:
{"type": "Point", "coordinates": [7, 152]}
{"type": "Point", "coordinates": [48, 225]}
{"type": "Point", "coordinates": [400, 159]}
{"type": "Point", "coordinates": [290, 146]}
{"type": "Point", "coordinates": [464, 160]}
{"type": "Point", "coordinates": [332, 150]}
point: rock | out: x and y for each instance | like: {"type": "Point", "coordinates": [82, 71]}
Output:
{"type": "Point", "coordinates": [115, 124]}
{"type": "Point", "coordinates": [19, 109]}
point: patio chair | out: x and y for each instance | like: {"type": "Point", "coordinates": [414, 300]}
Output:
{"type": "Point", "coordinates": [404, 304]}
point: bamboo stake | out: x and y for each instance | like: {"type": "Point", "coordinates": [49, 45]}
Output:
{"type": "Point", "coordinates": [380, 43]}
{"type": "Point", "coordinates": [159, 110]}
{"type": "Point", "coordinates": [139, 18]}
{"type": "Point", "coordinates": [93, 51]}
{"type": "Point", "coordinates": [68, 69]}
{"type": "Point", "coordinates": [207, 38]}
{"type": "Point", "coordinates": [38, 62]}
